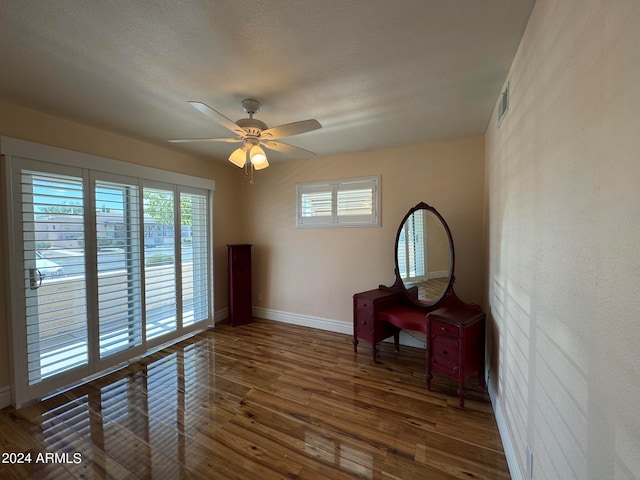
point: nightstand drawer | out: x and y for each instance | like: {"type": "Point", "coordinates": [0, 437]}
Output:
{"type": "Point", "coordinates": [444, 329]}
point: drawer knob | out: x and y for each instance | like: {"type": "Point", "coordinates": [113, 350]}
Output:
{"type": "Point", "coordinates": [443, 329]}
{"type": "Point", "coordinates": [444, 352]}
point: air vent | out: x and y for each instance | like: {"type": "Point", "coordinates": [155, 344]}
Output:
{"type": "Point", "coordinates": [504, 104]}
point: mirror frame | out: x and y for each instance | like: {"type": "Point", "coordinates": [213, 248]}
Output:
{"type": "Point", "coordinates": [399, 283]}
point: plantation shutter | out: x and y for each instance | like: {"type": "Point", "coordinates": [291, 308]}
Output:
{"type": "Point", "coordinates": [315, 204]}
{"type": "Point", "coordinates": [160, 262]}
{"type": "Point", "coordinates": [56, 305]}
{"type": "Point", "coordinates": [348, 202]}
{"type": "Point", "coordinates": [117, 225]}
{"type": "Point", "coordinates": [355, 202]}
{"type": "Point", "coordinates": [194, 248]}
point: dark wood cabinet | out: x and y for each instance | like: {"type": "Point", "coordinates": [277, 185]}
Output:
{"type": "Point", "coordinates": [455, 345]}
{"type": "Point", "coordinates": [366, 322]}
{"type": "Point", "coordinates": [240, 311]}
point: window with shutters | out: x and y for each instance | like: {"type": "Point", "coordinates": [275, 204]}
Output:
{"type": "Point", "coordinates": [107, 265]}
{"type": "Point", "coordinates": [352, 202]}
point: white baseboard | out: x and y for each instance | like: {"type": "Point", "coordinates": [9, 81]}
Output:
{"type": "Point", "coordinates": [221, 315]}
{"type": "Point", "coordinates": [329, 324]}
{"type": "Point", "coordinates": [505, 436]}
{"type": "Point", "coordinates": [5, 396]}
{"type": "Point", "coordinates": [304, 320]}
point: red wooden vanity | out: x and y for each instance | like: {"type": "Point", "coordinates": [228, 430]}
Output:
{"type": "Point", "coordinates": [455, 330]}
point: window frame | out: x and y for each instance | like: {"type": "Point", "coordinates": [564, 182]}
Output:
{"type": "Point", "coordinates": [15, 155]}
{"type": "Point", "coordinates": [333, 219]}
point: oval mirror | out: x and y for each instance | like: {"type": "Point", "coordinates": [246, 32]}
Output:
{"type": "Point", "coordinates": [424, 255]}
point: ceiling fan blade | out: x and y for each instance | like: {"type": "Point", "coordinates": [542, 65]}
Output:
{"type": "Point", "coordinates": [186, 140]}
{"type": "Point", "coordinates": [218, 117]}
{"type": "Point", "coordinates": [285, 148]}
{"type": "Point", "coordinates": [290, 129]}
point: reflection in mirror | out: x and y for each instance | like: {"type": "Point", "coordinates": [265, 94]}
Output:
{"type": "Point", "coordinates": [424, 255]}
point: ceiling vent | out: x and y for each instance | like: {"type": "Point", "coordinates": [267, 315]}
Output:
{"type": "Point", "coordinates": [503, 106]}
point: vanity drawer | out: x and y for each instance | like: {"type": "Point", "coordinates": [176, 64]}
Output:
{"type": "Point", "coordinates": [444, 329]}
{"type": "Point", "coordinates": [364, 325]}
{"type": "Point", "coordinates": [445, 354]}
{"type": "Point", "coordinates": [364, 305]}
{"type": "Point", "coordinates": [364, 319]}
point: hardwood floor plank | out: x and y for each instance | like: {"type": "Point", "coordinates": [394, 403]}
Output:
{"type": "Point", "coordinates": [261, 401]}
{"type": "Point", "coordinates": [462, 466]}
{"type": "Point", "coordinates": [300, 434]}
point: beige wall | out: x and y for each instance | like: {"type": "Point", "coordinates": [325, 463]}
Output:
{"type": "Point", "coordinates": [315, 272]}
{"type": "Point", "coordinates": [34, 126]}
{"type": "Point", "coordinates": [563, 196]}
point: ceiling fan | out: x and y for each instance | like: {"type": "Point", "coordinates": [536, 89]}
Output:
{"type": "Point", "coordinates": [253, 134]}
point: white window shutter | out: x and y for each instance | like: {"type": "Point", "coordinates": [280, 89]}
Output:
{"type": "Point", "coordinates": [338, 203]}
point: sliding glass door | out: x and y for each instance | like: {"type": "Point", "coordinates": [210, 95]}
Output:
{"type": "Point", "coordinates": [160, 261]}
{"type": "Point", "coordinates": [118, 253]}
{"type": "Point", "coordinates": [193, 247]}
{"type": "Point", "coordinates": [108, 266]}
{"type": "Point", "coordinates": [55, 330]}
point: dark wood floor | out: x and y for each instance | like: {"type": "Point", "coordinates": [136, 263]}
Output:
{"type": "Point", "coordinates": [262, 401]}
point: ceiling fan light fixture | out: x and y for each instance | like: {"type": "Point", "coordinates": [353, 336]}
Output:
{"type": "Point", "coordinates": [261, 166]}
{"type": "Point", "coordinates": [238, 157]}
{"type": "Point", "coordinates": [253, 133]}
{"type": "Point", "coordinates": [258, 158]}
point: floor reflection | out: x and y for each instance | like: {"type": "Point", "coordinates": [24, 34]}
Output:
{"type": "Point", "coordinates": [137, 418]}
{"type": "Point", "coordinates": [142, 421]}
{"type": "Point", "coordinates": [348, 458]}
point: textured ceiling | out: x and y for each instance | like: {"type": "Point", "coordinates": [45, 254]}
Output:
{"type": "Point", "coordinates": [375, 73]}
